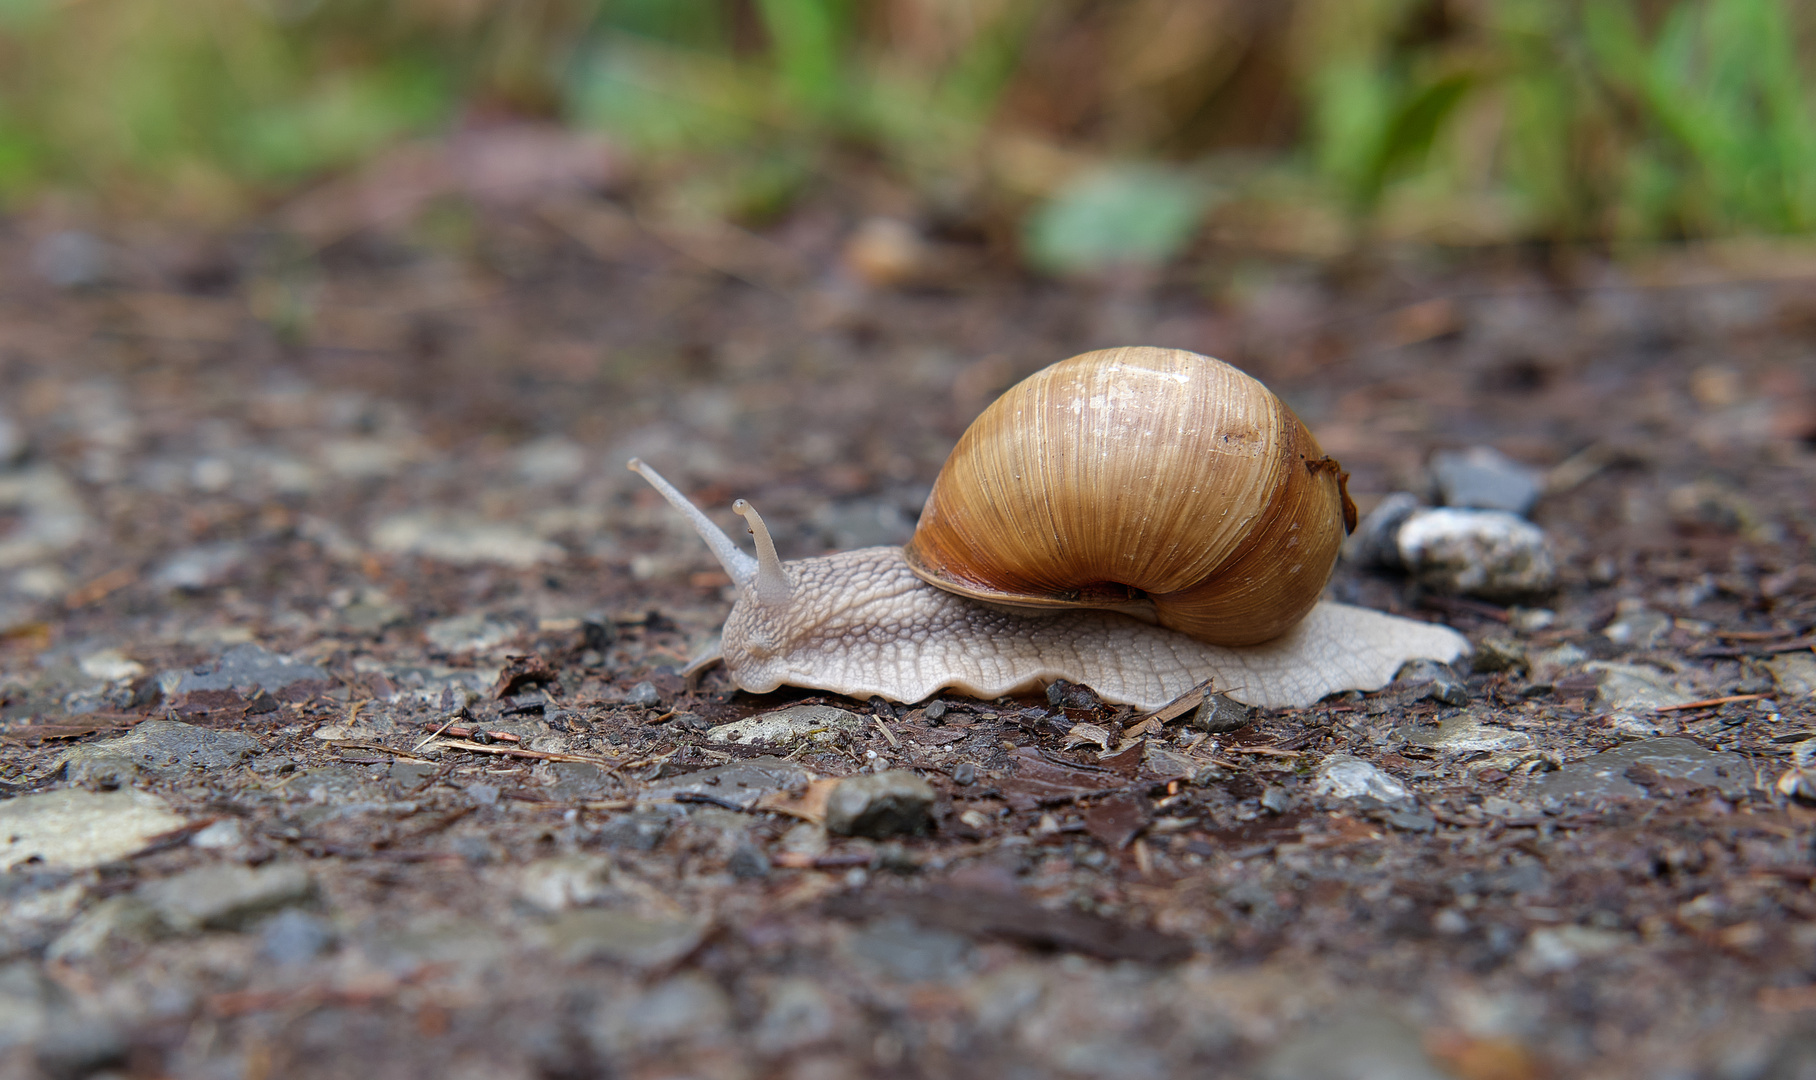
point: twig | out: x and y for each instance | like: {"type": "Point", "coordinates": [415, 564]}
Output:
{"type": "Point", "coordinates": [1707, 702]}
{"type": "Point", "coordinates": [887, 734]}
{"type": "Point", "coordinates": [539, 755]}
{"type": "Point", "coordinates": [1269, 751]}
{"type": "Point", "coordinates": [431, 736]}
{"type": "Point", "coordinates": [1182, 704]}
{"type": "Point", "coordinates": [382, 749]}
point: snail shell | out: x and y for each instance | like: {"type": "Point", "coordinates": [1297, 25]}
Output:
{"type": "Point", "coordinates": [1142, 480]}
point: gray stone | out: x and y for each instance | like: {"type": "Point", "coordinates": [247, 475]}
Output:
{"type": "Point", "coordinates": [1548, 664]}
{"type": "Point", "coordinates": [736, 786]}
{"type": "Point", "coordinates": [246, 668]}
{"type": "Point", "coordinates": [1484, 478]}
{"type": "Point", "coordinates": [688, 1008]}
{"type": "Point", "coordinates": [635, 940]}
{"type": "Point", "coordinates": [1604, 776]}
{"type": "Point", "coordinates": [579, 780]}
{"type": "Point", "coordinates": [1560, 948]}
{"type": "Point", "coordinates": [201, 567]}
{"type": "Point", "coordinates": [798, 1013]}
{"type": "Point", "coordinates": [1794, 673]}
{"type": "Point", "coordinates": [909, 952]}
{"type": "Point", "coordinates": [468, 633]}
{"type": "Point", "coordinates": [1157, 760]}
{"type": "Point", "coordinates": [1638, 628]}
{"type": "Point", "coordinates": [75, 830]}
{"type": "Point", "coordinates": [1486, 553]}
{"type": "Point", "coordinates": [1342, 776]}
{"type": "Point", "coordinates": [1376, 540]}
{"type": "Point", "coordinates": [747, 862]}
{"type": "Point", "coordinates": [227, 897]}
{"type": "Point", "coordinates": [463, 542]}
{"type": "Point", "coordinates": [1632, 688]}
{"type": "Point", "coordinates": [1218, 714]}
{"type": "Point", "coordinates": [70, 258]}
{"type": "Point", "coordinates": [785, 727]}
{"type": "Point", "coordinates": [161, 747]}
{"type": "Point", "coordinates": [51, 517]}
{"type": "Point", "coordinates": [1367, 1045]}
{"type": "Point", "coordinates": [1461, 734]}
{"type": "Point", "coordinates": [880, 804]}
{"type": "Point", "coordinates": [1427, 679]}
{"type": "Point", "coordinates": [1497, 652]}
{"type": "Point", "coordinates": [643, 696]}
{"type": "Point", "coordinates": [114, 925]}
{"type": "Point", "coordinates": [293, 936]}
{"type": "Point", "coordinates": [566, 881]}
{"type": "Point", "coordinates": [27, 1000]}
{"type": "Point", "coordinates": [637, 831]}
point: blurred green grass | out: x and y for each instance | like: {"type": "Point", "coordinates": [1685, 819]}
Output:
{"type": "Point", "coordinates": [1107, 132]}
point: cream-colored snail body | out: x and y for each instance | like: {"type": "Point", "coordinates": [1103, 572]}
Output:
{"type": "Point", "coordinates": [1098, 497]}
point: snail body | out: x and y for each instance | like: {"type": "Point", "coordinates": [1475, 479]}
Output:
{"type": "Point", "coordinates": [1166, 535]}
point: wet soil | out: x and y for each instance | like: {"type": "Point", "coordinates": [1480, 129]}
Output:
{"type": "Point", "coordinates": [272, 517]}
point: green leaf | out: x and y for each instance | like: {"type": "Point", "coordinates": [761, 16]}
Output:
{"type": "Point", "coordinates": [1127, 215]}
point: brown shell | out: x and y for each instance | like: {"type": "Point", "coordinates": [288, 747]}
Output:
{"type": "Point", "coordinates": [1140, 479]}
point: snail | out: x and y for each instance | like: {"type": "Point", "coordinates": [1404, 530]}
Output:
{"type": "Point", "coordinates": [1137, 520]}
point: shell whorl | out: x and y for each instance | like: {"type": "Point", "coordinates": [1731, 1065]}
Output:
{"type": "Point", "coordinates": [1139, 479]}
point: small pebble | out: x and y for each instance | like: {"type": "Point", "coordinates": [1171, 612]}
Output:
{"type": "Point", "coordinates": [1219, 714]}
{"type": "Point", "coordinates": [643, 696]}
{"type": "Point", "coordinates": [748, 862]}
{"type": "Point", "coordinates": [964, 774]}
{"type": "Point", "coordinates": [935, 712]}
{"type": "Point", "coordinates": [1375, 542]}
{"type": "Point", "coordinates": [1436, 681]}
{"type": "Point", "coordinates": [1483, 478]}
{"type": "Point", "coordinates": [1345, 777]}
{"type": "Point", "coordinates": [1486, 553]}
{"type": "Point", "coordinates": [881, 804]}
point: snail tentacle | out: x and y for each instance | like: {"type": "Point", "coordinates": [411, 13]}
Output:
{"type": "Point", "coordinates": [741, 568]}
{"type": "Point", "coordinates": [772, 588]}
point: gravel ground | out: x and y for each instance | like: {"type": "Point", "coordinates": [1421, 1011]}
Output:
{"type": "Point", "coordinates": [274, 511]}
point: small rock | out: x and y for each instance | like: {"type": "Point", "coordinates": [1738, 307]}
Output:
{"type": "Point", "coordinates": [1461, 734]}
{"type": "Point", "coordinates": [1483, 478]}
{"type": "Point", "coordinates": [294, 937]}
{"type": "Point", "coordinates": [1794, 673]}
{"type": "Point", "coordinates": [1527, 620]}
{"type": "Point", "coordinates": [227, 897]}
{"type": "Point", "coordinates": [784, 727]}
{"type": "Point", "coordinates": [881, 804]}
{"type": "Point", "coordinates": [1638, 628]}
{"type": "Point", "coordinates": [1219, 714]}
{"type": "Point", "coordinates": [747, 862]}
{"type": "Point", "coordinates": [1551, 663]}
{"type": "Point", "coordinates": [736, 786]}
{"type": "Point", "coordinates": [635, 831]}
{"type": "Point", "coordinates": [688, 1008]}
{"type": "Point", "coordinates": [201, 567]}
{"type": "Point", "coordinates": [1635, 689]}
{"type": "Point", "coordinates": [1486, 553]}
{"type": "Point", "coordinates": [1165, 764]}
{"type": "Point", "coordinates": [245, 668]}
{"type": "Point", "coordinates": [643, 696]}
{"type": "Point", "coordinates": [468, 633]}
{"type": "Point", "coordinates": [1376, 542]}
{"type": "Point", "coordinates": [1428, 679]}
{"type": "Point", "coordinates": [1560, 948]}
{"type": "Point", "coordinates": [70, 259]}
{"type": "Point", "coordinates": [1604, 775]}
{"type": "Point", "coordinates": [1630, 726]}
{"type": "Point", "coordinates": [908, 952]}
{"type": "Point", "coordinates": [222, 835]}
{"type": "Point", "coordinates": [578, 780]}
{"type": "Point", "coordinates": [160, 747]}
{"type": "Point", "coordinates": [463, 542]}
{"type": "Point", "coordinates": [1498, 652]}
{"type": "Point", "coordinates": [110, 666]}
{"type": "Point", "coordinates": [964, 774]}
{"type": "Point", "coordinates": [1366, 1045]}
{"type": "Point", "coordinates": [565, 881]}
{"type": "Point", "coordinates": [1342, 776]}
{"type": "Point", "coordinates": [935, 712]}
{"type": "Point", "coordinates": [75, 830]}
{"type": "Point", "coordinates": [115, 924]}
{"type": "Point", "coordinates": [483, 794]}
{"type": "Point", "coordinates": [598, 933]}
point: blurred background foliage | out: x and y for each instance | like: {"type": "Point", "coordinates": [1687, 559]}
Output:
{"type": "Point", "coordinates": [1098, 132]}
